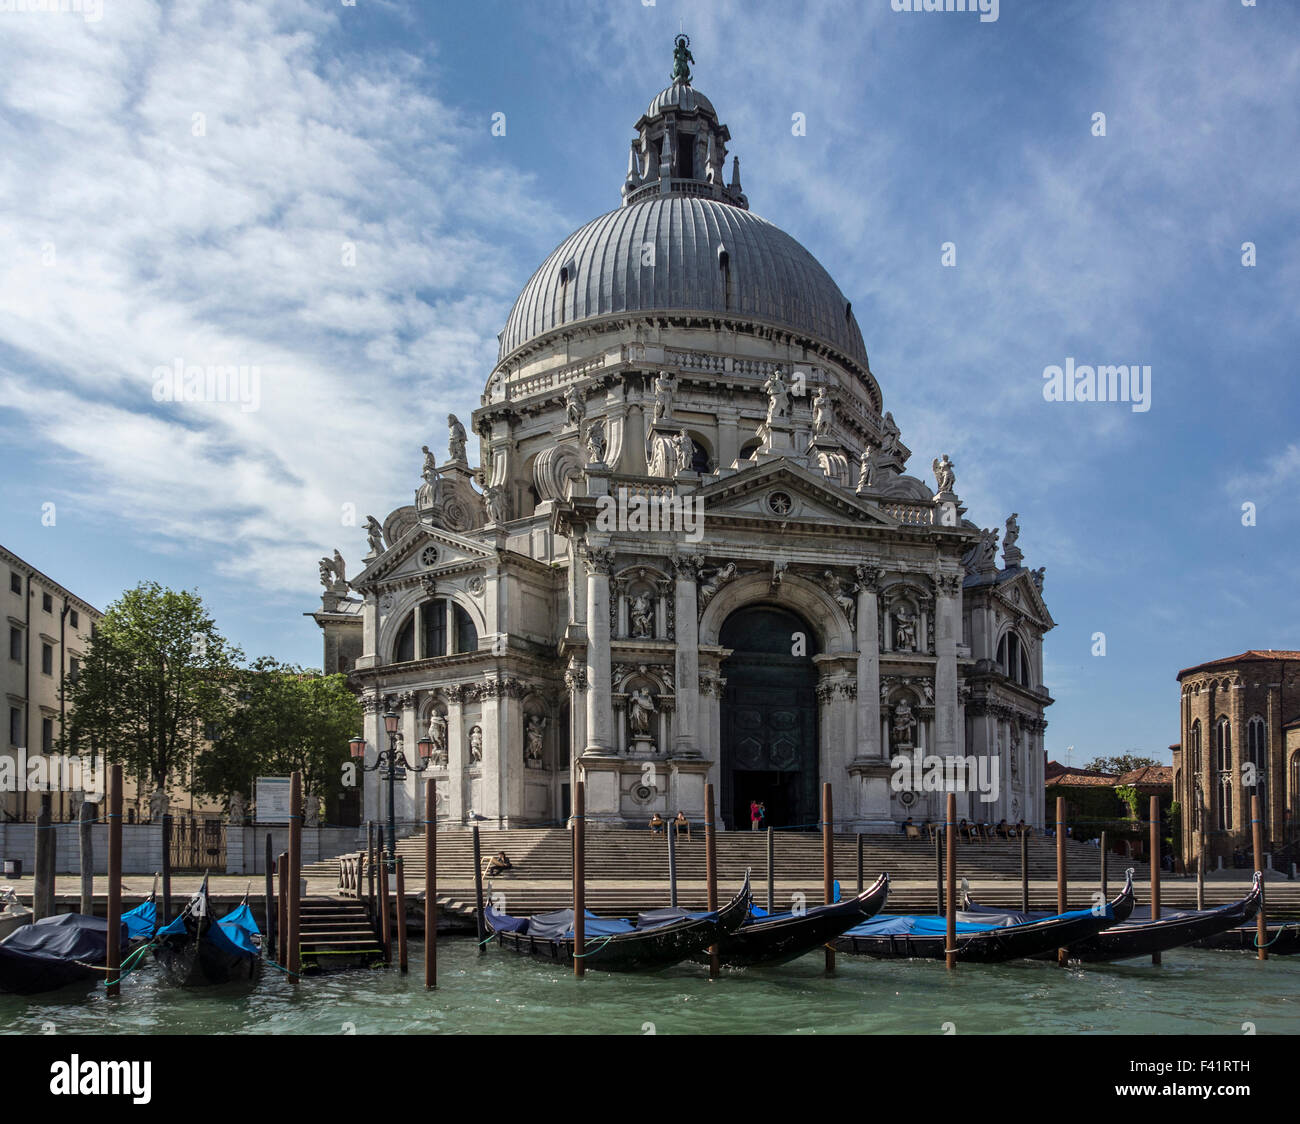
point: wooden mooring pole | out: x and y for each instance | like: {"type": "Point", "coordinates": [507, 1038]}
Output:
{"type": "Point", "coordinates": [1200, 855]}
{"type": "Point", "coordinates": [295, 875]}
{"type": "Point", "coordinates": [828, 860]}
{"type": "Point", "coordinates": [940, 841]}
{"type": "Point", "coordinates": [710, 870]}
{"type": "Point", "coordinates": [479, 926]}
{"type": "Point", "coordinates": [950, 838]}
{"type": "Point", "coordinates": [671, 832]}
{"type": "Point", "coordinates": [771, 871]}
{"type": "Point", "coordinates": [168, 827]}
{"type": "Point", "coordinates": [401, 916]}
{"type": "Point", "coordinates": [282, 913]}
{"type": "Point", "coordinates": [370, 869]}
{"type": "Point", "coordinates": [1257, 837]}
{"type": "Point", "coordinates": [115, 880]}
{"type": "Point", "coordinates": [1153, 847]}
{"type": "Point", "coordinates": [86, 840]}
{"type": "Point", "coordinates": [385, 910]}
{"type": "Point", "coordinates": [579, 879]}
{"type": "Point", "coordinates": [43, 868]}
{"type": "Point", "coordinates": [268, 868]}
{"type": "Point", "coordinates": [860, 857]}
{"type": "Point", "coordinates": [1062, 890]}
{"type": "Point", "coordinates": [1024, 871]}
{"type": "Point", "coordinates": [430, 883]}
{"type": "Point", "coordinates": [1105, 890]}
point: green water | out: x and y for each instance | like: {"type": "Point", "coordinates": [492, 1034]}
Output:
{"type": "Point", "coordinates": [1193, 992]}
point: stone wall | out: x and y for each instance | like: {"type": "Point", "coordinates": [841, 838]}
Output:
{"type": "Point", "coordinates": [141, 847]}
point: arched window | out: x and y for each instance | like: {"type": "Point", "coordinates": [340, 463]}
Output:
{"type": "Point", "coordinates": [1198, 785]}
{"type": "Point", "coordinates": [1194, 743]}
{"type": "Point", "coordinates": [1223, 773]}
{"type": "Point", "coordinates": [442, 628]}
{"type": "Point", "coordinates": [1255, 766]}
{"type": "Point", "coordinates": [1013, 659]}
{"type": "Point", "coordinates": [747, 450]}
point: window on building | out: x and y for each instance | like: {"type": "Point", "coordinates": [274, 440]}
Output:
{"type": "Point", "coordinates": [47, 735]}
{"type": "Point", "coordinates": [76, 618]}
{"type": "Point", "coordinates": [15, 582]}
{"type": "Point", "coordinates": [74, 668]}
{"type": "Point", "coordinates": [16, 644]}
{"type": "Point", "coordinates": [439, 621]}
{"type": "Point", "coordinates": [1198, 789]}
{"type": "Point", "coordinates": [47, 603]}
{"type": "Point", "coordinates": [1014, 660]}
{"type": "Point", "coordinates": [1255, 767]}
{"type": "Point", "coordinates": [47, 659]}
{"type": "Point", "coordinates": [15, 726]}
{"type": "Point", "coordinates": [1223, 773]}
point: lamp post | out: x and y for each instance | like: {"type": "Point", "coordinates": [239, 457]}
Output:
{"type": "Point", "coordinates": [389, 759]}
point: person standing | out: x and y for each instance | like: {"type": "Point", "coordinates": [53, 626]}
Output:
{"type": "Point", "coordinates": [762, 815]}
{"type": "Point", "coordinates": [754, 815]}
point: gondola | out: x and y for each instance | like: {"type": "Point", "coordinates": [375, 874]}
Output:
{"type": "Point", "coordinates": [1281, 939]}
{"type": "Point", "coordinates": [911, 937]}
{"type": "Point", "coordinates": [68, 948]}
{"type": "Point", "coordinates": [617, 945]}
{"type": "Point", "coordinates": [197, 950]}
{"type": "Point", "coordinates": [1121, 906]}
{"type": "Point", "coordinates": [1139, 935]}
{"type": "Point", "coordinates": [779, 938]}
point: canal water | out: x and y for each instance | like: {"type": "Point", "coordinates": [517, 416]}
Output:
{"type": "Point", "coordinates": [1193, 992]}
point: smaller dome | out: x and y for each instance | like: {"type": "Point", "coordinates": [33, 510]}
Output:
{"type": "Point", "coordinates": [682, 97]}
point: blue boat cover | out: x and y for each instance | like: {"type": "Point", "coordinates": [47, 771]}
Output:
{"type": "Point", "coordinates": [233, 933]}
{"type": "Point", "coordinates": [141, 921]}
{"type": "Point", "coordinates": [892, 925]}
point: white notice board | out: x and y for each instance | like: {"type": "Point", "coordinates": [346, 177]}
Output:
{"type": "Point", "coordinates": [272, 796]}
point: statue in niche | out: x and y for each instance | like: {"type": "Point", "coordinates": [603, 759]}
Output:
{"type": "Point", "coordinates": [438, 735]}
{"type": "Point", "coordinates": [685, 448]}
{"type": "Point", "coordinates": [664, 386]}
{"type": "Point", "coordinates": [494, 500]}
{"type": "Point", "coordinates": [944, 476]}
{"type": "Point", "coordinates": [456, 439]}
{"type": "Point", "coordinates": [476, 744]}
{"type": "Point", "coordinates": [375, 535]}
{"type": "Point", "coordinates": [641, 713]}
{"type": "Point", "coordinates": [534, 737]}
{"type": "Point", "coordinates": [575, 406]}
{"type": "Point", "coordinates": [823, 412]}
{"type": "Point", "coordinates": [641, 612]}
{"type": "Point", "coordinates": [778, 397]}
{"type": "Point", "coordinates": [904, 629]}
{"type": "Point", "coordinates": [865, 467]}
{"type": "Point", "coordinates": [596, 442]}
{"type": "Point", "coordinates": [904, 725]}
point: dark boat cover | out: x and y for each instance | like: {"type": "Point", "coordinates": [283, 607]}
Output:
{"type": "Point", "coordinates": [558, 925]}
{"type": "Point", "coordinates": [69, 936]}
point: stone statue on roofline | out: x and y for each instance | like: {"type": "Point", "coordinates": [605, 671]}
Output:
{"type": "Point", "coordinates": [457, 439]}
{"type": "Point", "coordinates": [575, 406]}
{"type": "Point", "coordinates": [682, 57]}
{"type": "Point", "coordinates": [823, 412]}
{"type": "Point", "coordinates": [945, 477]}
{"type": "Point", "coordinates": [374, 535]}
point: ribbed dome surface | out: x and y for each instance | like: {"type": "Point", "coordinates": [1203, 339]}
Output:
{"type": "Point", "coordinates": [680, 96]}
{"type": "Point", "coordinates": [598, 271]}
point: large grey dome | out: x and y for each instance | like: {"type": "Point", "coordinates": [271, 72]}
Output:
{"type": "Point", "coordinates": [709, 256]}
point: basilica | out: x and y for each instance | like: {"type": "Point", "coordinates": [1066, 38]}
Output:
{"type": "Point", "coordinates": [691, 550]}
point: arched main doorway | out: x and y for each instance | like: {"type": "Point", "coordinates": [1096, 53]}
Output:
{"type": "Point", "coordinates": [769, 718]}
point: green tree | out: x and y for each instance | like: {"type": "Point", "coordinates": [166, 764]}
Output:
{"type": "Point", "coordinates": [152, 684]}
{"type": "Point", "coordinates": [283, 718]}
{"type": "Point", "coordinates": [1120, 764]}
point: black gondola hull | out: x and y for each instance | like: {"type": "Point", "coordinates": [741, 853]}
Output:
{"type": "Point", "coordinates": [1280, 940]}
{"type": "Point", "coordinates": [650, 950]}
{"type": "Point", "coordinates": [200, 963]}
{"type": "Point", "coordinates": [781, 940]}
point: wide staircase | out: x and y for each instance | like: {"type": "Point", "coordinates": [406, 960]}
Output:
{"type": "Point", "coordinates": [628, 869]}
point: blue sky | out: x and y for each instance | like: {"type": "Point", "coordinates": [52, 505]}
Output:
{"type": "Point", "coordinates": [135, 233]}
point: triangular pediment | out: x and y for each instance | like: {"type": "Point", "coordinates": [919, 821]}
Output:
{"type": "Point", "coordinates": [1019, 593]}
{"type": "Point", "coordinates": [762, 492]}
{"type": "Point", "coordinates": [423, 551]}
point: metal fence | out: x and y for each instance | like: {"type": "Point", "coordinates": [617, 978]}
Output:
{"type": "Point", "coordinates": [198, 845]}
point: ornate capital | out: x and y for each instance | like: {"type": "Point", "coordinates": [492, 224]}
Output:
{"type": "Point", "coordinates": [868, 575]}
{"type": "Point", "coordinates": [949, 585]}
{"type": "Point", "coordinates": [599, 560]}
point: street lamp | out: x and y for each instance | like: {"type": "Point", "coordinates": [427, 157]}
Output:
{"type": "Point", "coordinates": [390, 759]}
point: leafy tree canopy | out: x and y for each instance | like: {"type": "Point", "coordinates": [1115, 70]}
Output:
{"type": "Point", "coordinates": [151, 685]}
{"type": "Point", "coordinates": [1121, 764]}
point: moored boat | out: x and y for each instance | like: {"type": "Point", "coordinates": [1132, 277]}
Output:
{"type": "Point", "coordinates": [1122, 905]}
{"type": "Point", "coordinates": [197, 950]}
{"type": "Point", "coordinates": [779, 938]}
{"type": "Point", "coordinates": [68, 948]}
{"type": "Point", "coordinates": [924, 937]}
{"type": "Point", "coordinates": [617, 945]}
{"type": "Point", "coordinates": [1281, 938]}
{"type": "Point", "coordinates": [14, 914]}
